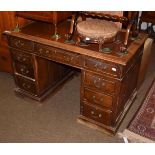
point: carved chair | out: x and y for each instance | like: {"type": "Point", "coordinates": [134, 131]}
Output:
{"type": "Point", "coordinates": [100, 28]}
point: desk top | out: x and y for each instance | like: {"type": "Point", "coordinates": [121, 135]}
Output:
{"type": "Point", "coordinates": [42, 33]}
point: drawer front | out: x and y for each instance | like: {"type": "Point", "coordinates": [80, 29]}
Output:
{"type": "Point", "coordinates": [25, 84]}
{"type": "Point", "coordinates": [68, 58]}
{"type": "Point", "coordinates": [21, 57]}
{"type": "Point", "coordinates": [24, 70]}
{"type": "Point", "coordinates": [21, 43]}
{"type": "Point", "coordinates": [102, 67]}
{"type": "Point", "coordinates": [98, 98]}
{"type": "Point", "coordinates": [59, 55]}
{"type": "Point", "coordinates": [96, 114]}
{"type": "Point", "coordinates": [44, 50]}
{"type": "Point", "coordinates": [97, 82]}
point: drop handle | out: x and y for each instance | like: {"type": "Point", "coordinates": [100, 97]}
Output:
{"type": "Point", "coordinates": [100, 66]}
{"type": "Point", "coordinates": [98, 83]}
{"type": "Point", "coordinates": [97, 101]}
{"type": "Point", "coordinates": [47, 51]}
{"type": "Point", "coordinates": [40, 50]}
{"type": "Point", "coordinates": [95, 115]}
{"type": "Point", "coordinates": [68, 59]}
{"type": "Point", "coordinates": [19, 58]}
{"type": "Point", "coordinates": [27, 71]}
{"type": "Point", "coordinates": [100, 115]}
{"type": "Point", "coordinates": [22, 70]}
{"type": "Point", "coordinates": [19, 43]}
{"type": "Point", "coordinates": [26, 86]}
{"type": "Point", "coordinates": [24, 59]}
{"type": "Point", "coordinates": [97, 66]}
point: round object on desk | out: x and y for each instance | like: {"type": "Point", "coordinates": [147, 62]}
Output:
{"type": "Point", "coordinates": [97, 28]}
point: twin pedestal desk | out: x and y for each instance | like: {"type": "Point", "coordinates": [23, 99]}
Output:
{"type": "Point", "coordinates": [108, 80]}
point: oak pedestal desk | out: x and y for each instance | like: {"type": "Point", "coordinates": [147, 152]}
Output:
{"type": "Point", "coordinates": [108, 80]}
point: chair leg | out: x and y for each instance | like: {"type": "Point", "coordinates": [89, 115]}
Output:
{"type": "Point", "coordinates": [140, 23]}
{"type": "Point", "coordinates": [100, 43]}
{"type": "Point", "coordinates": [73, 26]}
{"type": "Point", "coordinates": [127, 35]}
{"type": "Point", "coordinates": [78, 41]}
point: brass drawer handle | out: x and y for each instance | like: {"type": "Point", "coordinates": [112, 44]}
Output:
{"type": "Point", "coordinates": [68, 58]}
{"type": "Point", "coordinates": [27, 71]}
{"type": "Point", "coordinates": [97, 101]}
{"type": "Point", "coordinates": [22, 70]}
{"type": "Point", "coordinates": [97, 66]}
{"type": "Point", "coordinates": [95, 115]}
{"type": "Point", "coordinates": [92, 112]}
{"type": "Point", "coordinates": [18, 58]}
{"type": "Point", "coordinates": [97, 83]}
{"type": "Point", "coordinates": [100, 115]}
{"type": "Point", "coordinates": [103, 84]}
{"type": "Point", "coordinates": [100, 66]}
{"type": "Point", "coordinates": [26, 86]}
{"type": "Point", "coordinates": [24, 59]}
{"type": "Point", "coordinates": [19, 43]}
{"type": "Point", "coordinates": [40, 50]}
{"type": "Point", "coordinates": [104, 67]}
{"type": "Point", "coordinates": [47, 51]}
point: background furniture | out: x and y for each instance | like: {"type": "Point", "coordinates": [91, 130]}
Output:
{"type": "Point", "coordinates": [106, 93]}
{"type": "Point", "coordinates": [149, 18]}
{"type": "Point", "coordinates": [53, 17]}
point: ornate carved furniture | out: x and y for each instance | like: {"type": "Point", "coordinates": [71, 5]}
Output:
{"type": "Point", "coordinates": [105, 93]}
{"type": "Point", "coordinates": [100, 30]}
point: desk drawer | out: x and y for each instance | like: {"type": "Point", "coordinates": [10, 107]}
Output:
{"type": "Point", "coordinates": [24, 69]}
{"type": "Point", "coordinates": [44, 50]}
{"type": "Point", "coordinates": [25, 84]}
{"type": "Point", "coordinates": [21, 57]}
{"type": "Point", "coordinates": [97, 82]}
{"type": "Point", "coordinates": [59, 55]}
{"type": "Point", "coordinates": [21, 43]}
{"type": "Point", "coordinates": [99, 99]}
{"type": "Point", "coordinates": [102, 67]}
{"type": "Point", "coordinates": [94, 113]}
{"type": "Point", "coordinates": [68, 58]}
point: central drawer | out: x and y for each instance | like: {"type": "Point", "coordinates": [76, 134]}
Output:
{"type": "Point", "coordinates": [58, 55]}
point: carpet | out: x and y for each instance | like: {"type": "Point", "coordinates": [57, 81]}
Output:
{"type": "Point", "coordinates": [142, 126]}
